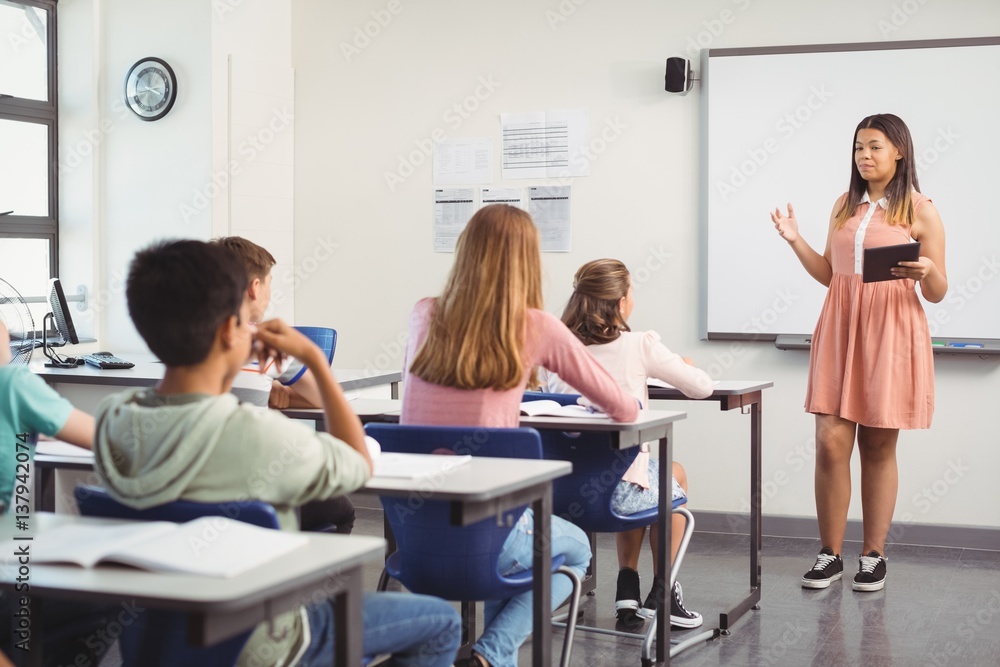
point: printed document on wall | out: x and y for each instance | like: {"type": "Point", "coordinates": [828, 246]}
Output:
{"type": "Point", "coordinates": [511, 196]}
{"type": "Point", "coordinates": [545, 144]}
{"type": "Point", "coordinates": [549, 207]}
{"type": "Point", "coordinates": [452, 209]}
{"type": "Point", "coordinates": [463, 161]}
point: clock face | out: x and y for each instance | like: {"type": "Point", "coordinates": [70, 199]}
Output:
{"type": "Point", "coordinates": [150, 88]}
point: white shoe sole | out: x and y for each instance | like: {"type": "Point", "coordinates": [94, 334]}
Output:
{"type": "Point", "coordinates": [686, 623]}
{"type": "Point", "coordinates": [821, 583]}
{"type": "Point", "coordinates": [867, 588]}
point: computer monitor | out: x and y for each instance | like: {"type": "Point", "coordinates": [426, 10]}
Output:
{"type": "Point", "coordinates": [64, 325]}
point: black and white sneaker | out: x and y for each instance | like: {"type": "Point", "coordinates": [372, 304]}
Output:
{"type": "Point", "coordinates": [871, 572]}
{"type": "Point", "coordinates": [828, 568]}
{"type": "Point", "coordinates": [627, 600]}
{"type": "Point", "coordinates": [680, 617]}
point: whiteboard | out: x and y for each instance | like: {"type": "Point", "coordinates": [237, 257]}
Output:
{"type": "Point", "coordinates": [777, 126]}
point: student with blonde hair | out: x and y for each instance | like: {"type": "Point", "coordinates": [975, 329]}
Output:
{"type": "Point", "coordinates": [474, 350]}
{"type": "Point", "coordinates": [597, 312]}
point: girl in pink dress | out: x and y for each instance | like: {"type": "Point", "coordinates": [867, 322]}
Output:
{"type": "Point", "coordinates": [871, 369]}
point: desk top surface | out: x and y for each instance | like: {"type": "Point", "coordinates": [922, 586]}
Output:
{"type": "Point", "coordinates": [481, 479]}
{"type": "Point", "coordinates": [321, 558]}
{"type": "Point", "coordinates": [148, 371]}
{"type": "Point", "coordinates": [722, 388]}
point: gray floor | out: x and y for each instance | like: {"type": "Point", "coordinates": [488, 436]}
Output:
{"type": "Point", "coordinates": [940, 607]}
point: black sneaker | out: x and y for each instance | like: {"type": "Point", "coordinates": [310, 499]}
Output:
{"type": "Point", "coordinates": [871, 573]}
{"type": "Point", "coordinates": [679, 616]}
{"type": "Point", "coordinates": [627, 600]}
{"type": "Point", "coordinates": [828, 568]}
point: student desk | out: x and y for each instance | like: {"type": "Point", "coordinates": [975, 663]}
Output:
{"type": "Point", "coordinates": [651, 425]}
{"type": "Point", "coordinates": [218, 608]}
{"type": "Point", "coordinates": [731, 395]}
{"type": "Point", "coordinates": [483, 488]}
{"type": "Point", "coordinates": [148, 371]}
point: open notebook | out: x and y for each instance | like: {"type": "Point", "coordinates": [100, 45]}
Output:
{"type": "Point", "coordinates": [547, 408]}
{"type": "Point", "coordinates": [415, 466]}
{"type": "Point", "coordinates": [212, 546]}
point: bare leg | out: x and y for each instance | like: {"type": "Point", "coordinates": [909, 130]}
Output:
{"type": "Point", "coordinates": [676, 523]}
{"type": "Point", "coordinates": [834, 445]}
{"type": "Point", "coordinates": [879, 484]}
{"type": "Point", "coordinates": [629, 545]}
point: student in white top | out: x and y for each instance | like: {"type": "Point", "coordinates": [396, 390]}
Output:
{"type": "Point", "coordinates": [598, 313]}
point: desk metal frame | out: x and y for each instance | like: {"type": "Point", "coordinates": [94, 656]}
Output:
{"type": "Point", "coordinates": [730, 396]}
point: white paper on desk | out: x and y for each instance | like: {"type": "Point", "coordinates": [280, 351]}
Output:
{"type": "Point", "coordinates": [60, 448]}
{"type": "Point", "coordinates": [545, 144]}
{"type": "Point", "coordinates": [452, 209]}
{"type": "Point", "coordinates": [549, 206]}
{"type": "Point", "coordinates": [655, 382]}
{"type": "Point", "coordinates": [415, 466]}
{"type": "Point", "coordinates": [463, 161]}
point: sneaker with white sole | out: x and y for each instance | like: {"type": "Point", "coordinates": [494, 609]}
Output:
{"type": "Point", "coordinates": [871, 572]}
{"type": "Point", "coordinates": [680, 616]}
{"type": "Point", "coordinates": [627, 600]}
{"type": "Point", "coordinates": [827, 568]}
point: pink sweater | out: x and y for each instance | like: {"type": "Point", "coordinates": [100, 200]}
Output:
{"type": "Point", "coordinates": [549, 344]}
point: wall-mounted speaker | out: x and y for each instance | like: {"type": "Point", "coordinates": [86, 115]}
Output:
{"type": "Point", "coordinates": [678, 78]}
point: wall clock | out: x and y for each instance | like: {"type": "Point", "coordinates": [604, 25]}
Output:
{"type": "Point", "coordinates": [150, 88]}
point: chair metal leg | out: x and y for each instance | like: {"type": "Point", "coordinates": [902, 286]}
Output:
{"type": "Point", "coordinates": [383, 581]}
{"type": "Point", "coordinates": [574, 604]}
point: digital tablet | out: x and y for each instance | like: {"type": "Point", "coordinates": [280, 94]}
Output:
{"type": "Point", "coordinates": [879, 261]}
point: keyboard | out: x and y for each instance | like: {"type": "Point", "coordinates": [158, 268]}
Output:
{"type": "Point", "coordinates": [106, 360]}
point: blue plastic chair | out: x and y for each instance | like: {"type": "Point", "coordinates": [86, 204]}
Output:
{"type": "Point", "coordinates": [159, 638]}
{"type": "Point", "coordinates": [325, 338]}
{"type": "Point", "coordinates": [584, 496]}
{"type": "Point", "coordinates": [459, 563]}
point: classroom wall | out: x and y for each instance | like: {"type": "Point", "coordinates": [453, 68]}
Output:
{"type": "Point", "coordinates": [376, 79]}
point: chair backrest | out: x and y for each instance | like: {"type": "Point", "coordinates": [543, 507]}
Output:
{"type": "Point", "coordinates": [433, 556]}
{"type": "Point", "coordinates": [325, 338]}
{"type": "Point", "coordinates": [159, 638]}
{"type": "Point", "coordinates": [584, 496]}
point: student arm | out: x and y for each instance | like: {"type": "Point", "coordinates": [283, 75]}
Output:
{"type": "Point", "coordinates": [668, 366]}
{"type": "Point", "coordinates": [78, 429]}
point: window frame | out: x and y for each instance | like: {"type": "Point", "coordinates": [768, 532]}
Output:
{"type": "Point", "coordinates": [42, 112]}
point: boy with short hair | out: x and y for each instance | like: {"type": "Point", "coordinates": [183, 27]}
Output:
{"type": "Point", "coordinates": [189, 438]}
{"type": "Point", "coordinates": [332, 514]}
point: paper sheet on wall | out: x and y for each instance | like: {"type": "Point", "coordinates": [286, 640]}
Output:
{"type": "Point", "coordinates": [549, 206]}
{"type": "Point", "coordinates": [545, 144]}
{"type": "Point", "coordinates": [452, 209]}
{"type": "Point", "coordinates": [463, 161]}
{"type": "Point", "coordinates": [512, 196]}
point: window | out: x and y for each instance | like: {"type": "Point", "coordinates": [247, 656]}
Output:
{"type": "Point", "coordinates": [29, 212]}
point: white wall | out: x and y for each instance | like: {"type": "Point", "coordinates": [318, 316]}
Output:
{"type": "Point", "coordinates": [125, 182]}
{"type": "Point", "coordinates": [363, 251]}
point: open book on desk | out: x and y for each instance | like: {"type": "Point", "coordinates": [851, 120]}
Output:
{"type": "Point", "coordinates": [548, 408]}
{"type": "Point", "coordinates": [656, 382]}
{"type": "Point", "coordinates": [211, 546]}
{"type": "Point", "coordinates": [415, 466]}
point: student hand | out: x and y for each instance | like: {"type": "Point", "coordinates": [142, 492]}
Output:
{"type": "Point", "coordinates": [688, 360]}
{"type": "Point", "coordinates": [274, 340]}
{"type": "Point", "coordinates": [280, 397]}
{"type": "Point", "coordinates": [917, 270]}
{"type": "Point", "coordinates": [786, 225]}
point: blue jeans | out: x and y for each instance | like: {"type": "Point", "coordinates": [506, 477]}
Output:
{"type": "Point", "coordinates": [509, 622]}
{"type": "Point", "coordinates": [418, 630]}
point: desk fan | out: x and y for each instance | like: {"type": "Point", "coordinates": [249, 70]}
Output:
{"type": "Point", "coordinates": [14, 313]}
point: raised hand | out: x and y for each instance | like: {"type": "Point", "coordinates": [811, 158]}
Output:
{"type": "Point", "coordinates": [786, 225]}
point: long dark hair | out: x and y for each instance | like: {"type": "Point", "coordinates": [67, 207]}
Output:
{"type": "Point", "coordinates": [898, 192]}
{"type": "Point", "coordinates": [593, 312]}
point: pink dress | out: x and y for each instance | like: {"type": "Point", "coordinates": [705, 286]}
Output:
{"type": "Point", "coordinates": [871, 360]}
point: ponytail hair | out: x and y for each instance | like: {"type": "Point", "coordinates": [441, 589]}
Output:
{"type": "Point", "coordinates": [593, 312]}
